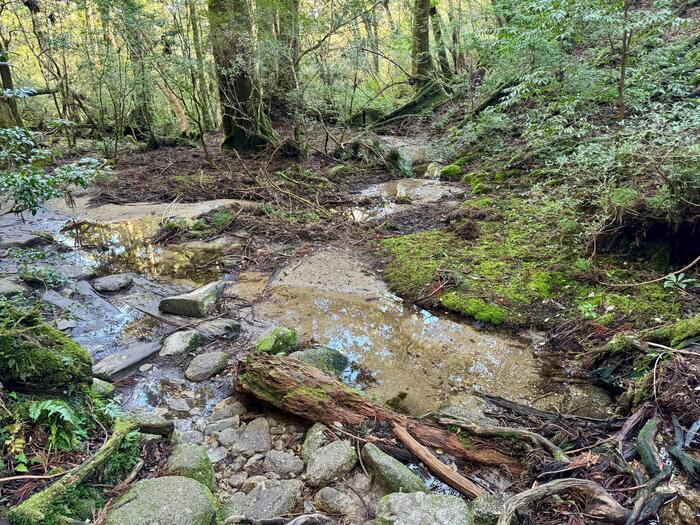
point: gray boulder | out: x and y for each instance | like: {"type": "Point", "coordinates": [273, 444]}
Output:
{"type": "Point", "coordinates": [315, 439]}
{"type": "Point", "coordinates": [334, 501]}
{"type": "Point", "coordinates": [171, 500]}
{"type": "Point", "coordinates": [195, 303]}
{"type": "Point", "coordinates": [330, 462]}
{"type": "Point", "coordinates": [191, 461]}
{"type": "Point", "coordinates": [282, 463]}
{"type": "Point", "coordinates": [206, 365]}
{"type": "Point", "coordinates": [327, 360]}
{"type": "Point", "coordinates": [113, 283]}
{"type": "Point", "coordinates": [486, 509]}
{"type": "Point", "coordinates": [418, 508]}
{"type": "Point", "coordinates": [268, 499]}
{"type": "Point", "coordinates": [180, 343]}
{"type": "Point", "coordinates": [10, 287]}
{"type": "Point", "coordinates": [389, 472]}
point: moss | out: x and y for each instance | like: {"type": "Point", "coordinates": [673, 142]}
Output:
{"type": "Point", "coordinates": [306, 392]}
{"type": "Point", "coordinates": [279, 340]}
{"type": "Point", "coordinates": [453, 171]}
{"type": "Point", "coordinates": [679, 331]}
{"type": "Point", "coordinates": [338, 169]}
{"type": "Point", "coordinates": [191, 461]}
{"type": "Point", "coordinates": [473, 307]}
{"type": "Point", "coordinates": [624, 197]}
{"type": "Point", "coordinates": [543, 283]}
{"type": "Point", "coordinates": [480, 188]}
{"type": "Point", "coordinates": [42, 358]}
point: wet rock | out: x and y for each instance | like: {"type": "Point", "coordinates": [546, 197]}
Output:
{"type": "Point", "coordinates": [280, 340]}
{"type": "Point", "coordinates": [113, 283]}
{"type": "Point", "coordinates": [330, 462]}
{"type": "Point", "coordinates": [22, 239]}
{"type": "Point", "coordinates": [175, 500]}
{"type": "Point", "coordinates": [113, 365]}
{"type": "Point", "coordinates": [146, 368]}
{"type": "Point", "coordinates": [227, 408]}
{"type": "Point", "coordinates": [178, 405]}
{"type": "Point", "coordinates": [195, 303]}
{"type": "Point", "coordinates": [191, 436]}
{"type": "Point", "coordinates": [487, 508]}
{"type": "Point", "coordinates": [180, 343]}
{"type": "Point", "coordinates": [254, 438]}
{"type": "Point", "coordinates": [315, 439]}
{"type": "Point", "coordinates": [10, 287]}
{"type": "Point", "coordinates": [268, 499]}
{"type": "Point", "coordinates": [418, 508]}
{"type": "Point", "coordinates": [96, 302]}
{"type": "Point", "coordinates": [218, 328]}
{"type": "Point", "coordinates": [206, 365]}
{"type": "Point", "coordinates": [191, 461]}
{"type": "Point", "coordinates": [390, 472]}
{"type": "Point", "coordinates": [76, 309]}
{"type": "Point", "coordinates": [282, 463]}
{"type": "Point", "coordinates": [328, 360]}
{"type": "Point", "coordinates": [102, 388]}
{"type": "Point", "coordinates": [66, 324]}
{"type": "Point", "coordinates": [334, 501]}
{"type": "Point", "coordinates": [222, 425]}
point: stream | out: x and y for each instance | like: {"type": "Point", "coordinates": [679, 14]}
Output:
{"type": "Point", "coordinates": [416, 360]}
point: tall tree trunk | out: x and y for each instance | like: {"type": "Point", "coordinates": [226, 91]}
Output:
{"type": "Point", "coordinates": [246, 126]}
{"type": "Point", "coordinates": [289, 38]}
{"type": "Point", "coordinates": [440, 42]}
{"type": "Point", "coordinates": [202, 84]}
{"type": "Point", "coordinates": [422, 67]}
{"type": "Point", "coordinates": [9, 112]}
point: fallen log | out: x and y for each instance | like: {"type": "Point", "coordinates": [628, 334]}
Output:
{"type": "Point", "coordinates": [300, 389]}
{"type": "Point", "coordinates": [601, 505]}
{"type": "Point", "coordinates": [37, 508]}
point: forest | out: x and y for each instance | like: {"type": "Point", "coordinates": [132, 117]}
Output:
{"type": "Point", "coordinates": [393, 262]}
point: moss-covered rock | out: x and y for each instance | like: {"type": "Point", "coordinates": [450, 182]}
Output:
{"type": "Point", "coordinates": [175, 500]}
{"type": "Point", "coordinates": [42, 358]}
{"type": "Point", "coordinates": [451, 172]}
{"type": "Point", "coordinates": [329, 360]}
{"type": "Point", "coordinates": [390, 473]}
{"type": "Point", "coordinates": [280, 340]}
{"type": "Point", "coordinates": [418, 508]}
{"type": "Point", "coordinates": [192, 461]}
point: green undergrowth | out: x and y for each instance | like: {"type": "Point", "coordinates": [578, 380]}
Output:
{"type": "Point", "coordinates": [524, 269]}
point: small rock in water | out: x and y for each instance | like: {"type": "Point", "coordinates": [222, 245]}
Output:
{"type": "Point", "coordinates": [206, 365]}
{"type": "Point", "coordinates": [25, 240]}
{"type": "Point", "coordinates": [330, 462]}
{"type": "Point", "coordinates": [328, 360]}
{"type": "Point", "coordinates": [146, 367]}
{"type": "Point", "coordinates": [418, 508]}
{"type": "Point", "coordinates": [218, 328]}
{"type": "Point", "coordinates": [195, 303]}
{"type": "Point", "coordinates": [66, 324]}
{"type": "Point", "coordinates": [280, 340]}
{"type": "Point", "coordinates": [113, 283]}
{"type": "Point", "coordinates": [180, 343]}
{"type": "Point", "coordinates": [179, 405]}
{"type": "Point", "coordinates": [282, 463]}
{"type": "Point", "coordinates": [111, 366]}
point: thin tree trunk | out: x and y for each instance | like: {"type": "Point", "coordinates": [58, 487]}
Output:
{"type": "Point", "coordinates": [202, 84]}
{"type": "Point", "coordinates": [9, 112]}
{"type": "Point", "coordinates": [440, 42]}
{"type": "Point", "coordinates": [289, 38]}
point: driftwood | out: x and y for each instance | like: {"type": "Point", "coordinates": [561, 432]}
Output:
{"type": "Point", "coordinates": [300, 389]}
{"type": "Point", "coordinates": [442, 471]}
{"type": "Point", "coordinates": [35, 508]}
{"type": "Point", "coordinates": [508, 432]}
{"type": "Point", "coordinates": [601, 505]}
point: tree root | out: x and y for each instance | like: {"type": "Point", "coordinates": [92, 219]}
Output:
{"type": "Point", "coordinates": [648, 501]}
{"type": "Point", "coordinates": [601, 506]}
{"type": "Point", "coordinates": [649, 454]}
{"type": "Point", "coordinates": [36, 508]}
{"type": "Point", "coordinates": [509, 433]}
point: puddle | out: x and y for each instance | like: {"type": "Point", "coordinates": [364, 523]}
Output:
{"type": "Point", "coordinates": [401, 354]}
{"type": "Point", "coordinates": [126, 247]}
{"type": "Point", "coordinates": [401, 195]}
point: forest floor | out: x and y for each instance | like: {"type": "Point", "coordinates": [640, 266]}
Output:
{"type": "Point", "coordinates": [322, 244]}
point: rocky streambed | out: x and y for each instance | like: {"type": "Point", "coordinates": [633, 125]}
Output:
{"type": "Point", "coordinates": [173, 356]}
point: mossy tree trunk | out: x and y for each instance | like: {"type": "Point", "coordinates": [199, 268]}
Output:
{"type": "Point", "coordinates": [422, 67]}
{"type": "Point", "coordinates": [440, 42]}
{"type": "Point", "coordinates": [289, 40]}
{"type": "Point", "coordinates": [246, 126]}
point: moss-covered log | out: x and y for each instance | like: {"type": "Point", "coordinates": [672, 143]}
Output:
{"type": "Point", "coordinates": [37, 509]}
{"type": "Point", "coordinates": [300, 389]}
